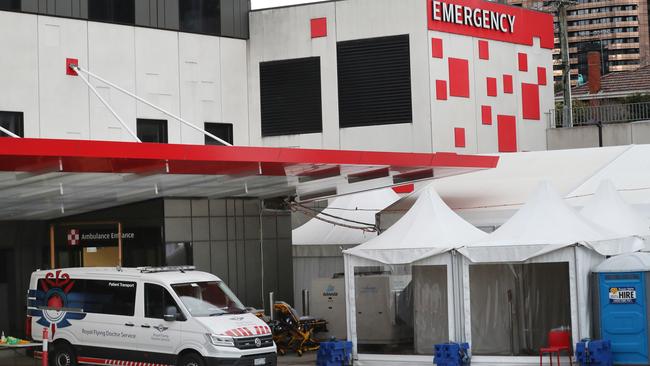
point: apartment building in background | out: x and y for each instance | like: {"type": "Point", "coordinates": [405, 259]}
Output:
{"type": "Point", "coordinates": [616, 28]}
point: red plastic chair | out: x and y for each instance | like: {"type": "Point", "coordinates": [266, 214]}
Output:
{"type": "Point", "coordinates": [558, 341]}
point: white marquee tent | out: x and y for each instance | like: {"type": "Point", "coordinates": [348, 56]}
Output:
{"type": "Point", "coordinates": [422, 241]}
{"type": "Point", "coordinates": [608, 209]}
{"type": "Point", "coordinates": [546, 230]}
{"type": "Point", "coordinates": [318, 244]}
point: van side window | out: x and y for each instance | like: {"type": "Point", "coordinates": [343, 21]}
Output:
{"type": "Point", "coordinates": [93, 296]}
{"type": "Point", "coordinates": [156, 300]}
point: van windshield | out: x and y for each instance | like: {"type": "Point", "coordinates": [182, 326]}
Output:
{"type": "Point", "coordinates": [208, 298]}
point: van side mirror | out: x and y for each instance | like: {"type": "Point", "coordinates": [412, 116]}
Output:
{"type": "Point", "coordinates": [170, 314]}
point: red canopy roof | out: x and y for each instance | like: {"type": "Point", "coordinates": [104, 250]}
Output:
{"type": "Point", "coordinates": [45, 178]}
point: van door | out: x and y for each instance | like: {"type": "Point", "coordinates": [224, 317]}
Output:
{"type": "Point", "coordinates": [104, 327]}
{"type": "Point", "coordinates": [159, 339]}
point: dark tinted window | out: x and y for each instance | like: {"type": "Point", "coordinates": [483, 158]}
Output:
{"type": "Point", "coordinates": [9, 4]}
{"type": "Point", "coordinates": [374, 81]}
{"type": "Point", "coordinates": [152, 130]}
{"type": "Point", "coordinates": [156, 300]}
{"type": "Point", "coordinates": [96, 296]}
{"type": "Point", "coordinates": [12, 121]}
{"type": "Point", "coordinates": [221, 130]}
{"type": "Point", "coordinates": [114, 11]}
{"type": "Point", "coordinates": [200, 16]}
{"type": "Point", "coordinates": [290, 92]}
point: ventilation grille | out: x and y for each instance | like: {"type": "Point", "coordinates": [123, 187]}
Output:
{"type": "Point", "coordinates": [374, 81]}
{"type": "Point", "coordinates": [290, 93]}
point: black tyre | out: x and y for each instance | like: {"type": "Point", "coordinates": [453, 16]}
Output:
{"type": "Point", "coordinates": [191, 359]}
{"type": "Point", "coordinates": [62, 354]}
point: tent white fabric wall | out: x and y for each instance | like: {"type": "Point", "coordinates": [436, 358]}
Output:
{"type": "Point", "coordinates": [425, 235]}
{"type": "Point", "coordinates": [546, 229]}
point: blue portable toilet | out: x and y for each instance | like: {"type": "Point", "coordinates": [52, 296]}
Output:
{"type": "Point", "coordinates": [621, 304]}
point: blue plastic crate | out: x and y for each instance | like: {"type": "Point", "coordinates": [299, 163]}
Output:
{"type": "Point", "coordinates": [597, 352]}
{"type": "Point", "coordinates": [336, 353]}
{"type": "Point", "coordinates": [451, 354]}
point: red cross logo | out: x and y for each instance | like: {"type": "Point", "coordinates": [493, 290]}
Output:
{"type": "Point", "coordinates": [73, 237]}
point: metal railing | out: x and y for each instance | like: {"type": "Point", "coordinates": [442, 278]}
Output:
{"type": "Point", "coordinates": [603, 114]}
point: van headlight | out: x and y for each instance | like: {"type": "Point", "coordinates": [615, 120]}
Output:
{"type": "Point", "coordinates": [221, 340]}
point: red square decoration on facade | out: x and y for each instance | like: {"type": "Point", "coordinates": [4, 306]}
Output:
{"type": "Point", "coordinates": [523, 61]}
{"type": "Point", "coordinates": [68, 69]}
{"type": "Point", "coordinates": [530, 101]}
{"type": "Point", "coordinates": [483, 50]}
{"type": "Point", "coordinates": [319, 27]}
{"type": "Point", "coordinates": [458, 77]}
{"type": "Point", "coordinates": [491, 87]}
{"type": "Point", "coordinates": [436, 48]}
{"type": "Point", "coordinates": [507, 133]}
{"type": "Point", "coordinates": [486, 114]}
{"type": "Point", "coordinates": [459, 137]}
{"type": "Point", "coordinates": [541, 76]}
{"type": "Point", "coordinates": [441, 90]}
{"type": "Point", "coordinates": [507, 84]}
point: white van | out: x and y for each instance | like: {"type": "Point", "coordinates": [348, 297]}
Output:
{"type": "Point", "coordinates": [146, 317]}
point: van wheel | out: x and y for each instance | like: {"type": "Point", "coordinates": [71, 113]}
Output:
{"type": "Point", "coordinates": [63, 355]}
{"type": "Point", "coordinates": [191, 359]}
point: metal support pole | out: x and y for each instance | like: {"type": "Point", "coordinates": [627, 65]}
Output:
{"type": "Point", "coordinates": [2, 129]}
{"type": "Point", "coordinates": [567, 108]}
{"type": "Point", "coordinates": [77, 68]}
{"type": "Point", "coordinates": [105, 103]}
{"type": "Point", "coordinates": [271, 306]}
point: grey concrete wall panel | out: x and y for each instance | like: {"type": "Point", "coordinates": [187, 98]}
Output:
{"type": "Point", "coordinates": [641, 132]}
{"type": "Point", "coordinates": [153, 13]}
{"type": "Point", "coordinates": [200, 228]}
{"type": "Point", "coordinates": [232, 266]}
{"type": "Point", "coordinates": [178, 229]}
{"type": "Point", "coordinates": [219, 228]}
{"type": "Point", "coordinates": [64, 8]}
{"type": "Point", "coordinates": [171, 14]}
{"type": "Point", "coordinates": [239, 228]}
{"type": "Point", "coordinates": [230, 207]}
{"type": "Point", "coordinates": [217, 208]}
{"type": "Point", "coordinates": [232, 229]}
{"type": "Point", "coordinates": [572, 138]}
{"type": "Point", "coordinates": [227, 16]}
{"type": "Point", "coordinates": [617, 134]}
{"type": "Point", "coordinates": [160, 13]}
{"type": "Point", "coordinates": [83, 9]}
{"type": "Point", "coordinates": [200, 208]}
{"type": "Point", "coordinates": [30, 6]}
{"type": "Point", "coordinates": [252, 207]}
{"type": "Point", "coordinates": [241, 268]}
{"type": "Point", "coordinates": [285, 271]}
{"type": "Point", "coordinates": [201, 255]}
{"type": "Point", "coordinates": [178, 208]}
{"type": "Point", "coordinates": [142, 15]}
{"type": "Point", "coordinates": [284, 226]}
{"type": "Point", "coordinates": [269, 227]}
{"type": "Point", "coordinates": [271, 266]}
{"type": "Point", "coordinates": [219, 258]}
{"type": "Point", "coordinates": [252, 227]}
{"type": "Point", "coordinates": [253, 256]}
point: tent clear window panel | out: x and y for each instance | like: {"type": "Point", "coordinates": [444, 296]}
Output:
{"type": "Point", "coordinates": [514, 306]}
{"type": "Point", "coordinates": [401, 309]}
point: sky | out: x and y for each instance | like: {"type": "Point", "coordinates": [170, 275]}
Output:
{"type": "Point", "coordinates": [257, 4]}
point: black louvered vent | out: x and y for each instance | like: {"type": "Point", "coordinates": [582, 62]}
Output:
{"type": "Point", "coordinates": [374, 81]}
{"type": "Point", "coordinates": [291, 97]}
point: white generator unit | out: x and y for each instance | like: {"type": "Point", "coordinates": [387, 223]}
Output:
{"type": "Point", "coordinates": [327, 301]}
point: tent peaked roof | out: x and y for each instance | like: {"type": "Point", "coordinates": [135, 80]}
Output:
{"type": "Point", "coordinates": [430, 227]}
{"type": "Point", "coordinates": [543, 224]}
{"type": "Point", "coordinates": [360, 207]}
{"type": "Point", "coordinates": [608, 209]}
